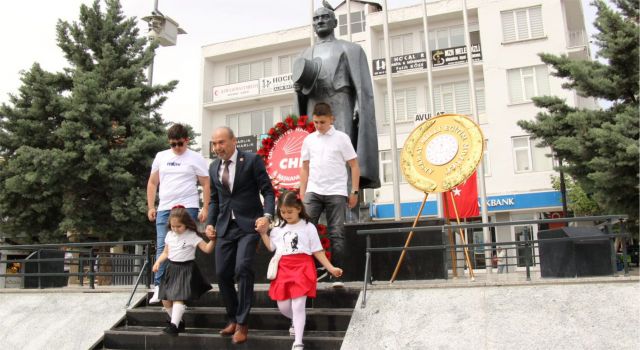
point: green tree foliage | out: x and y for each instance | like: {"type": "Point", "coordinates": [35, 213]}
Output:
{"type": "Point", "coordinates": [599, 147]}
{"type": "Point", "coordinates": [77, 145]}
{"type": "Point", "coordinates": [578, 202]}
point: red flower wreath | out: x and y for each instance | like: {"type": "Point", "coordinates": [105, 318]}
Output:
{"type": "Point", "coordinates": [291, 122]}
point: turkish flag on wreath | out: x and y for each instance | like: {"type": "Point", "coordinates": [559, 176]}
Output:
{"type": "Point", "coordinates": [466, 197]}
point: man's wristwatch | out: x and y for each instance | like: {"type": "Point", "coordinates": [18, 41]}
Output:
{"type": "Point", "coordinates": [354, 192]}
{"type": "Point", "coordinates": [269, 217]}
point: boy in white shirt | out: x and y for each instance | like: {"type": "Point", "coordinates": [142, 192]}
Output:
{"type": "Point", "coordinates": [324, 177]}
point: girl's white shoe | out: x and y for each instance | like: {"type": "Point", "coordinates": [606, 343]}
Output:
{"type": "Point", "coordinates": [154, 299]}
{"type": "Point", "coordinates": [297, 347]}
{"type": "Point", "coordinates": [292, 331]}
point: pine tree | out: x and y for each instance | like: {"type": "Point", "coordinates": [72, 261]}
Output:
{"type": "Point", "coordinates": [599, 147]}
{"type": "Point", "coordinates": [81, 142]}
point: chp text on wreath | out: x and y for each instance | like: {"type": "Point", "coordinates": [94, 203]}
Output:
{"type": "Point", "coordinates": [280, 150]}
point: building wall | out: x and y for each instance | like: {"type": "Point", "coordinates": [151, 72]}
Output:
{"type": "Point", "coordinates": [498, 122]}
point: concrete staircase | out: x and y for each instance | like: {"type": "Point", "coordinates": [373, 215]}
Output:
{"type": "Point", "coordinates": [328, 318]}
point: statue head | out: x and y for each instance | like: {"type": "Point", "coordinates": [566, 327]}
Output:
{"type": "Point", "coordinates": [324, 22]}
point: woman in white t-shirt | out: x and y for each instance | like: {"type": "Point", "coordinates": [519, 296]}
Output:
{"type": "Point", "coordinates": [182, 279]}
{"type": "Point", "coordinates": [296, 239]}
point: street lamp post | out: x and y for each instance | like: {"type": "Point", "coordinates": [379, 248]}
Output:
{"type": "Point", "coordinates": [162, 29]}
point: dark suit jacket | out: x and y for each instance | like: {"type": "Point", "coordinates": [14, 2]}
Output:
{"type": "Point", "coordinates": [251, 180]}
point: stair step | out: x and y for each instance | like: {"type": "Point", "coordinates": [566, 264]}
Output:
{"type": "Point", "coordinates": [259, 318]}
{"type": "Point", "coordinates": [137, 337]}
{"type": "Point", "coordinates": [326, 298]}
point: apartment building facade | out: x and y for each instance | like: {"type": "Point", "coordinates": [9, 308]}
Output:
{"type": "Point", "coordinates": [246, 84]}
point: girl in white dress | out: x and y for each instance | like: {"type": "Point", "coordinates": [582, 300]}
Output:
{"type": "Point", "coordinates": [182, 279]}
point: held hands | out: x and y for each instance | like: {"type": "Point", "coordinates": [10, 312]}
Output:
{"type": "Point", "coordinates": [262, 225]}
{"type": "Point", "coordinates": [210, 232]}
{"type": "Point", "coordinates": [335, 271]}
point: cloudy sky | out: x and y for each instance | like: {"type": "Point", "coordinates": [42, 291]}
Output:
{"type": "Point", "coordinates": [28, 28]}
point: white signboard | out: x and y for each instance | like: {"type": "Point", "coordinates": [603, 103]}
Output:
{"type": "Point", "coordinates": [235, 91]}
{"type": "Point", "coordinates": [276, 83]}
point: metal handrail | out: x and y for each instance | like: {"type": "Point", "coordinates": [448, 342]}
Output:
{"type": "Point", "coordinates": [82, 261]}
{"type": "Point", "coordinates": [452, 226]}
{"type": "Point", "coordinates": [607, 219]}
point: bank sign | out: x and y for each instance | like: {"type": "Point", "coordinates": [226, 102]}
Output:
{"type": "Point", "coordinates": [505, 203]}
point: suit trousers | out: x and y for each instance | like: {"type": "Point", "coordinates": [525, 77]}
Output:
{"type": "Point", "coordinates": [235, 253]}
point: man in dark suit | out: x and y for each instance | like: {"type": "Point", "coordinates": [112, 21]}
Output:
{"type": "Point", "coordinates": [235, 213]}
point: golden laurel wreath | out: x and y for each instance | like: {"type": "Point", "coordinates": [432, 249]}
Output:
{"type": "Point", "coordinates": [442, 152]}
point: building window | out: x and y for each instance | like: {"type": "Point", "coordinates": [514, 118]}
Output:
{"type": "Point", "coordinates": [447, 37]}
{"type": "Point", "coordinates": [386, 164]}
{"type": "Point", "coordinates": [284, 112]}
{"type": "Point", "coordinates": [285, 64]}
{"type": "Point", "coordinates": [405, 103]}
{"type": "Point", "coordinates": [528, 157]}
{"type": "Point", "coordinates": [251, 123]}
{"type": "Point", "coordinates": [238, 73]}
{"type": "Point", "coordinates": [527, 82]}
{"type": "Point", "coordinates": [454, 98]}
{"type": "Point", "coordinates": [522, 24]}
{"type": "Point", "coordinates": [357, 22]}
{"type": "Point", "coordinates": [400, 45]}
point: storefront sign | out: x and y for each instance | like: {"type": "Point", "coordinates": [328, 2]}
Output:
{"type": "Point", "coordinates": [520, 201]}
{"type": "Point", "coordinates": [421, 117]}
{"type": "Point", "coordinates": [245, 144]}
{"type": "Point", "coordinates": [276, 84]}
{"type": "Point", "coordinates": [234, 91]}
{"type": "Point", "coordinates": [454, 55]}
{"type": "Point", "coordinates": [416, 60]}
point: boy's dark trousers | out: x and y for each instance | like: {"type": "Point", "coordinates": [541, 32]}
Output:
{"type": "Point", "coordinates": [334, 207]}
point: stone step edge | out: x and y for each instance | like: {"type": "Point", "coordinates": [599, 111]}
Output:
{"type": "Point", "coordinates": [256, 311]}
{"type": "Point", "coordinates": [254, 334]}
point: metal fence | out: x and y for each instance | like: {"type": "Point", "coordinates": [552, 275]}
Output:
{"type": "Point", "coordinates": [526, 248]}
{"type": "Point", "coordinates": [54, 265]}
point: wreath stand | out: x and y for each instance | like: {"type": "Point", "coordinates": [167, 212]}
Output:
{"type": "Point", "coordinates": [453, 255]}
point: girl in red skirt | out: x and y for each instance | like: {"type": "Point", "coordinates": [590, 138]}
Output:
{"type": "Point", "coordinates": [295, 239]}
